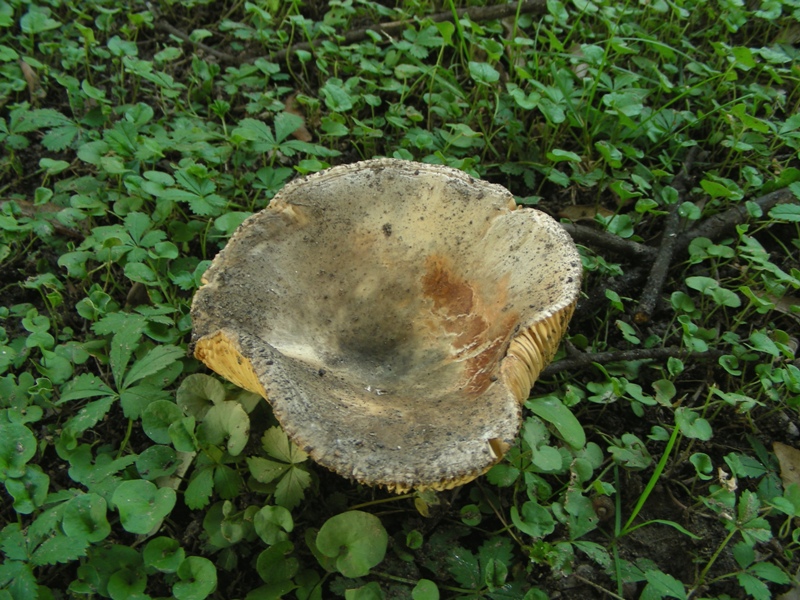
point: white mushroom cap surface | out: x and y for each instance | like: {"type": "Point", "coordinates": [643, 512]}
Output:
{"type": "Point", "coordinates": [394, 314]}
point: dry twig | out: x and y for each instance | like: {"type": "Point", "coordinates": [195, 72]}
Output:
{"type": "Point", "coordinates": [658, 273]}
{"type": "Point", "coordinates": [475, 13]}
{"type": "Point", "coordinates": [715, 227]}
{"type": "Point", "coordinates": [589, 358]}
{"type": "Point", "coordinates": [602, 239]}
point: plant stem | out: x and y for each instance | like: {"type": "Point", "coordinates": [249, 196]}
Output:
{"type": "Point", "coordinates": [711, 562]}
{"type": "Point", "coordinates": [651, 484]}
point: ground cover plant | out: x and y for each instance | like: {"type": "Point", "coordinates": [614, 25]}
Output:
{"type": "Point", "coordinates": [658, 458]}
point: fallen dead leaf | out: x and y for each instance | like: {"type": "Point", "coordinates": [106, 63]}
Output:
{"type": "Point", "coordinates": [789, 460]}
{"type": "Point", "coordinates": [580, 68]}
{"type": "Point", "coordinates": [32, 79]}
{"type": "Point", "coordinates": [290, 106]}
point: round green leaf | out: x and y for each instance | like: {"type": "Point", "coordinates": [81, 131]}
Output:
{"type": "Point", "coordinates": [30, 490]}
{"type": "Point", "coordinates": [142, 505]}
{"type": "Point", "coordinates": [85, 517]}
{"type": "Point", "coordinates": [272, 523]}
{"type": "Point", "coordinates": [356, 539]}
{"type": "Point", "coordinates": [483, 72]}
{"type": "Point", "coordinates": [371, 591]}
{"type": "Point", "coordinates": [198, 579]}
{"type": "Point", "coordinates": [181, 433]}
{"type": "Point", "coordinates": [198, 393]}
{"type": "Point", "coordinates": [156, 461]}
{"type": "Point", "coordinates": [425, 590]}
{"type": "Point", "coordinates": [227, 419]}
{"type": "Point", "coordinates": [157, 418]}
{"type": "Point", "coordinates": [414, 539]}
{"type": "Point", "coordinates": [702, 465]}
{"type": "Point", "coordinates": [533, 519]}
{"type": "Point", "coordinates": [163, 554]}
{"type": "Point", "coordinates": [692, 425]}
{"type": "Point", "coordinates": [471, 515]}
{"type": "Point", "coordinates": [274, 564]}
{"type": "Point", "coordinates": [17, 447]}
{"type": "Point", "coordinates": [125, 583]}
{"type": "Point", "coordinates": [547, 459]}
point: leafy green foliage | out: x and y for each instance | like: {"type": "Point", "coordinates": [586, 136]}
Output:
{"type": "Point", "coordinates": [356, 541]}
{"type": "Point", "coordinates": [129, 158]}
{"type": "Point", "coordinates": [292, 479]}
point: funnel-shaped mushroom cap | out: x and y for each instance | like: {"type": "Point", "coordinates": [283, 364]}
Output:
{"type": "Point", "coordinates": [395, 315]}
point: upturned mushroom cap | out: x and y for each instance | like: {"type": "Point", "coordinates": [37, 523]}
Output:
{"type": "Point", "coordinates": [394, 314]}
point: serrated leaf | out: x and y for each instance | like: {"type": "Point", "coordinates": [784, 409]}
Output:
{"type": "Point", "coordinates": [286, 124]}
{"type": "Point", "coordinates": [291, 488]}
{"type": "Point", "coordinates": [665, 584]}
{"type": "Point", "coordinates": [85, 385]}
{"type": "Point", "coordinates": [254, 130]}
{"type": "Point", "coordinates": [754, 587]}
{"type": "Point", "coordinates": [137, 398]}
{"type": "Point", "coordinates": [60, 138]}
{"type": "Point", "coordinates": [595, 551]}
{"type": "Point", "coordinates": [463, 566]}
{"type": "Point", "coordinates": [123, 344]}
{"type": "Point", "coordinates": [227, 482]}
{"type": "Point", "coordinates": [497, 551]}
{"type": "Point", "coordinates": [198, 492]}
{"type": "Point", "coordinates": [82, 470]}
{"type": "Point", "coordinates": [13, 543]}
{"type": "Point", "coordinates": [265, 471]}
{"type": "Point", "coordinates": [770, 572]}
{"type": "Point", "coordinates": [786, 212]}
{"type": "Point", "coordinates": [278, 445]}
{"type": "Point", "coordinates": [59, 549]}
{"type": "Point", "coordinates": [38, 118]}
{"type": "Point", "coordinates": [154, 361]}
{"type": "Point", "coordinates": [89, 415]}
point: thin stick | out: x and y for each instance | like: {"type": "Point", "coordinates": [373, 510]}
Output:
{"type": "Point", "coordinates": [172, 30]}
{"type": "Point", "coordinates": [722, 223]}
{"type": "Point", "coordinates": [589, 358]}
{"type": "Point", "coordinates": [602, 239]}
{"type": "Point", "coordinates": [658, 274]}
{"type": "Point", "coordinates": [475, 13]}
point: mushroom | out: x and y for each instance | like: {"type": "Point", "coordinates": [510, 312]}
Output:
{"type": "Point", "coordinates": [394, 314]}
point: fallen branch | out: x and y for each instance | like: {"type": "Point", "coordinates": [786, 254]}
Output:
{"type": "Point", "coordinates": [602, 239]}
{"type": "Point", "coordinates": [658, 273]}
{"type": "Point", "coordinates": [589, 358]}
{"type": "Point", "coordinates": [475, 13]}
{"type": "Point", "coordinates": [162, 25]}
{"type": "Point", "coordinates": [715, 227]}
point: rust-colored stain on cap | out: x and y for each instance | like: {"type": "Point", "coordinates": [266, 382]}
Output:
{"type": "Point", "coordinates": [394, 314]}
